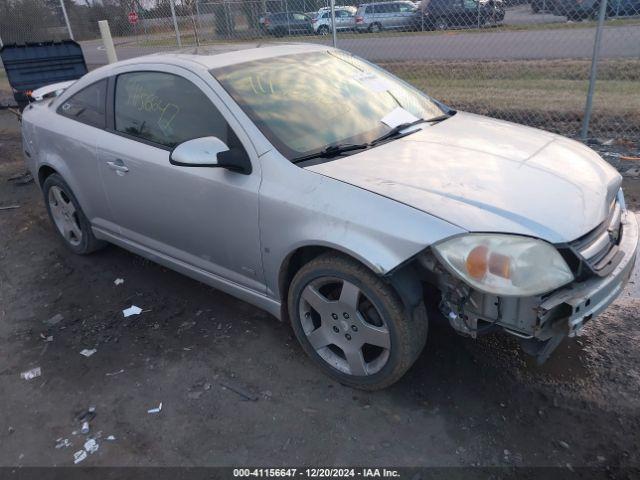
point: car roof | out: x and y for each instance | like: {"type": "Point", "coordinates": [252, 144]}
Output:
{"type": "Point", "coordinates": [214, 57]}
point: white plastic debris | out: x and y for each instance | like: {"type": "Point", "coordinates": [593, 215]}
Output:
{"type": "Point", "coordinates": [87, 353]}
{"type": "Point", "coordinates": [155, 410]}
{"type": "Point", "coordinates": [118, 281]}
{"type": "Point", "coordinates": [113, 374]}
{"type": "Point", "coordinates": [31, 374]}
{"type": "Point", "coordinates": [132, 310]}
{"type": "Point", "coordinates": [63, 443]}
{"type": "Point", "coordinates": [111, 438]}
{"type": "Point", "coordinates": [91, 446]}
{"type": "Point", "coordinates": [85, 428]}
{"type": "Point", "coordinates": [79, 456]}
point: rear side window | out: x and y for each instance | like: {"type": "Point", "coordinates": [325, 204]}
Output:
{"type": "Point", "coordinates": [166, 109]}
{"type": "Point", "coordinates": [88, 105]}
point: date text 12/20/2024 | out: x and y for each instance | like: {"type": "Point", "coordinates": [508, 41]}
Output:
{"type": "Point", "coordinates": [316, 472]}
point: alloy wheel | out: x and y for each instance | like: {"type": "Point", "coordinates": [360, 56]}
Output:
{"type": "Point", "coordinates": [65, 215]}
{"type": "Point", "coordinates": [344, 327]}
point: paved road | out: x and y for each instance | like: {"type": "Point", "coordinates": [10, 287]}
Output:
{"type": "Point", "coordinates": [618, 42]}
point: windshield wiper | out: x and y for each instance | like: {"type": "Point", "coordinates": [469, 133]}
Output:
{"type": "Point", "coordinates": [335, 150]}
{"type": "Point", "coordinates": [403, 126]}
{"type": "Point", "coordinates": [331, 151]}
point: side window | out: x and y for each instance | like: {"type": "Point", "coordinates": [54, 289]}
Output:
{"type": "Point", "coordinates": [299, 16]}
{"type": "Point", "coordinates": [470, 4]}
{"type": "Point", "coordinates": [393, 8]}
{"type": "Point", "coordinates": [165, 108]}
{"type": "Point", "coordinates": [88, 105]}
{"type": "Point", "coordinates": [405, 7]}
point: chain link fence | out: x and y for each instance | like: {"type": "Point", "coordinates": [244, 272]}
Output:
{"type": "Point", "coordinates": [530, 63]}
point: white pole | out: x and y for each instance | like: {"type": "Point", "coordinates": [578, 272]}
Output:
{"type": "Point", "coordinates": [66, 19]}
{"type": "Point", "coordinates": [105, 33]}
{"type": "Point", "coordinates": [175, 23]}
{"type": "Point", "coordinates": [333, 23]}
{"type": "Point", "coordinates": [1, 44]}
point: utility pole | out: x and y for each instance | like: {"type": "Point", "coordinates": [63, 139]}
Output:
{"type": "Point", "coordinates": [66, 19]}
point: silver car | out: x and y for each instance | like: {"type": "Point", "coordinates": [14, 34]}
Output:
{"type": "Point", "coordinates": [346, 214]}
{"type": "Point", "coordinates": [375, 17]}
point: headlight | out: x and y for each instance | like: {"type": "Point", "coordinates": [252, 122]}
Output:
{"type": "Point", "coordinates": [506, 265]}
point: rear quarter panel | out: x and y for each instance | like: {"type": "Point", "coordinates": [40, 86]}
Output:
{"type": "Point", "coordinates": [69, 148]}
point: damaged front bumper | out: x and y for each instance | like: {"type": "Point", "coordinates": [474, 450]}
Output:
{"type": "Point", "coordinates": [540, 322]}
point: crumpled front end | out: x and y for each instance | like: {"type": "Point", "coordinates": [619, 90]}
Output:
{"type": "Point", "coordinates": [602, 262]}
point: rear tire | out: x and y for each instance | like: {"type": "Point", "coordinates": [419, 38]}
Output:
{"type": "Point", "coordinates": [323, 30]}
{"type": "Point", "coordinates": [352, 324]}
{"type": "Point", "coordinates": [68, 218]}
{"type": "Point", "coordinates": [375, 28]}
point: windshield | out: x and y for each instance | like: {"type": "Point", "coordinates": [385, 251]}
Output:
{"type": "Point", "coordinates": [304, 103]}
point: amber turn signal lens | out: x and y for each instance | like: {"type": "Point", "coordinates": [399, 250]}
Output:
{"type": "Point", "coordinates": [500, 265]}
{"type": "Point", "coordinates": [477, 262]}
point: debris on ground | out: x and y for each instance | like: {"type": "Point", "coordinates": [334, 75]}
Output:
{"type": "Point", "coordinates": [563, 444]}
{"type": "Point", "coordinates": [111, 438]}
{"type": "Point", "coordinates": [10, 207]}
{"type": "Point", "coordinates": [113, 374]}
{"type": "Point", "coordinates": [85, 429]}
{"type": "Point", "coordinates": [132, 310]}
{"type": "Point", "coordinates": [118, 281]}
{"type": "Point", "coordinates": [46, 338]}
{"type": "Point", "coordinates": [63, 443]}
{"type": "Point", "coordinates": [240, 391]}
{"type": "Point", "coordinates": [86, 417]}
{"type": "Point", "coordinates": [633, 172]}
{"type": "Point", "coordinates": [79, 456]}
{"type": "Point", "coordinates": [629, 158]}
{"type": "Point", "coordinates": [23, 179]}
{"type": "Point", "coordinates": [155, 410]}
{"type": "Point", "coordinates": [88, 352]}
{"type": "Point", "coordinates": [57, 318]}
{"type": "Point", "coordinates": [31, 374]}
{"type": "Point", "coordinates": [91, 446]}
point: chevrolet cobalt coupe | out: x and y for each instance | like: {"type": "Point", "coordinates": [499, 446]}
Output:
{"type": "Point", "coordinates": [337, 197]}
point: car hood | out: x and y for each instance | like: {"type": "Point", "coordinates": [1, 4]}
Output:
{"type": "Point", "coordinates": [487, 175]}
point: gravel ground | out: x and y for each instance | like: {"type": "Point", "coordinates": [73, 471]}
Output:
{"type": "Point", "coordinates": [237, 389]}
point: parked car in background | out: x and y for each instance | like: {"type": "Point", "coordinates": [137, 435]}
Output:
{"type": "Point", "coordinates": [543, 6]}
{"type": "Point", "coordinates": [345, 20]}
{"type": "Point", "coordinates": [288, 23]}
{"type": "Point", "coordinates": [583, 9]}
{"type": "Point", "coordinates": [374, 17]}
{"type": "Point", "coordinates": [445, 14]}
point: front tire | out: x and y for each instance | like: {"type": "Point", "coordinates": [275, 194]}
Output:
{"type": "Point", "coordinates": [352, 324]}
{"type": "Point", "coordinates": [323, 30]}
{"type": "Point", "coordinates": [375, 28]}
{"type": "Point", "coordinates": [68, 218]}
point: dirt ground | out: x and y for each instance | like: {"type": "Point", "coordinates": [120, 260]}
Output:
{"type": "Point", "coordinates": [236, 389]}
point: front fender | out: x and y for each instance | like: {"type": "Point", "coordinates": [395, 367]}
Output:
{"type": "Point", "coordinates": [300, 208]}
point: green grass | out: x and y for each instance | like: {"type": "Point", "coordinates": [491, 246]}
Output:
{"type": "Point", "coordinates": [545, 93]}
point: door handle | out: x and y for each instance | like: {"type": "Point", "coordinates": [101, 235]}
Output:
{"type": "Point", "coordinates": [118, 166]}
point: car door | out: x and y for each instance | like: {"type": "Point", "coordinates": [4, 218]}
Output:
{"type": "Point", "coordinates": [406, 13]}
{"type": "Point", "coordinates": [470, 13]}
{"type": "Point", "coordinates": [204, 217]}
{"type": "Point", "coordinates": [390, 15]}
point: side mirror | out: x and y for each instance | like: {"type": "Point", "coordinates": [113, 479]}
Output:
{"type": "Point", "coordinates": [210, 152]}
